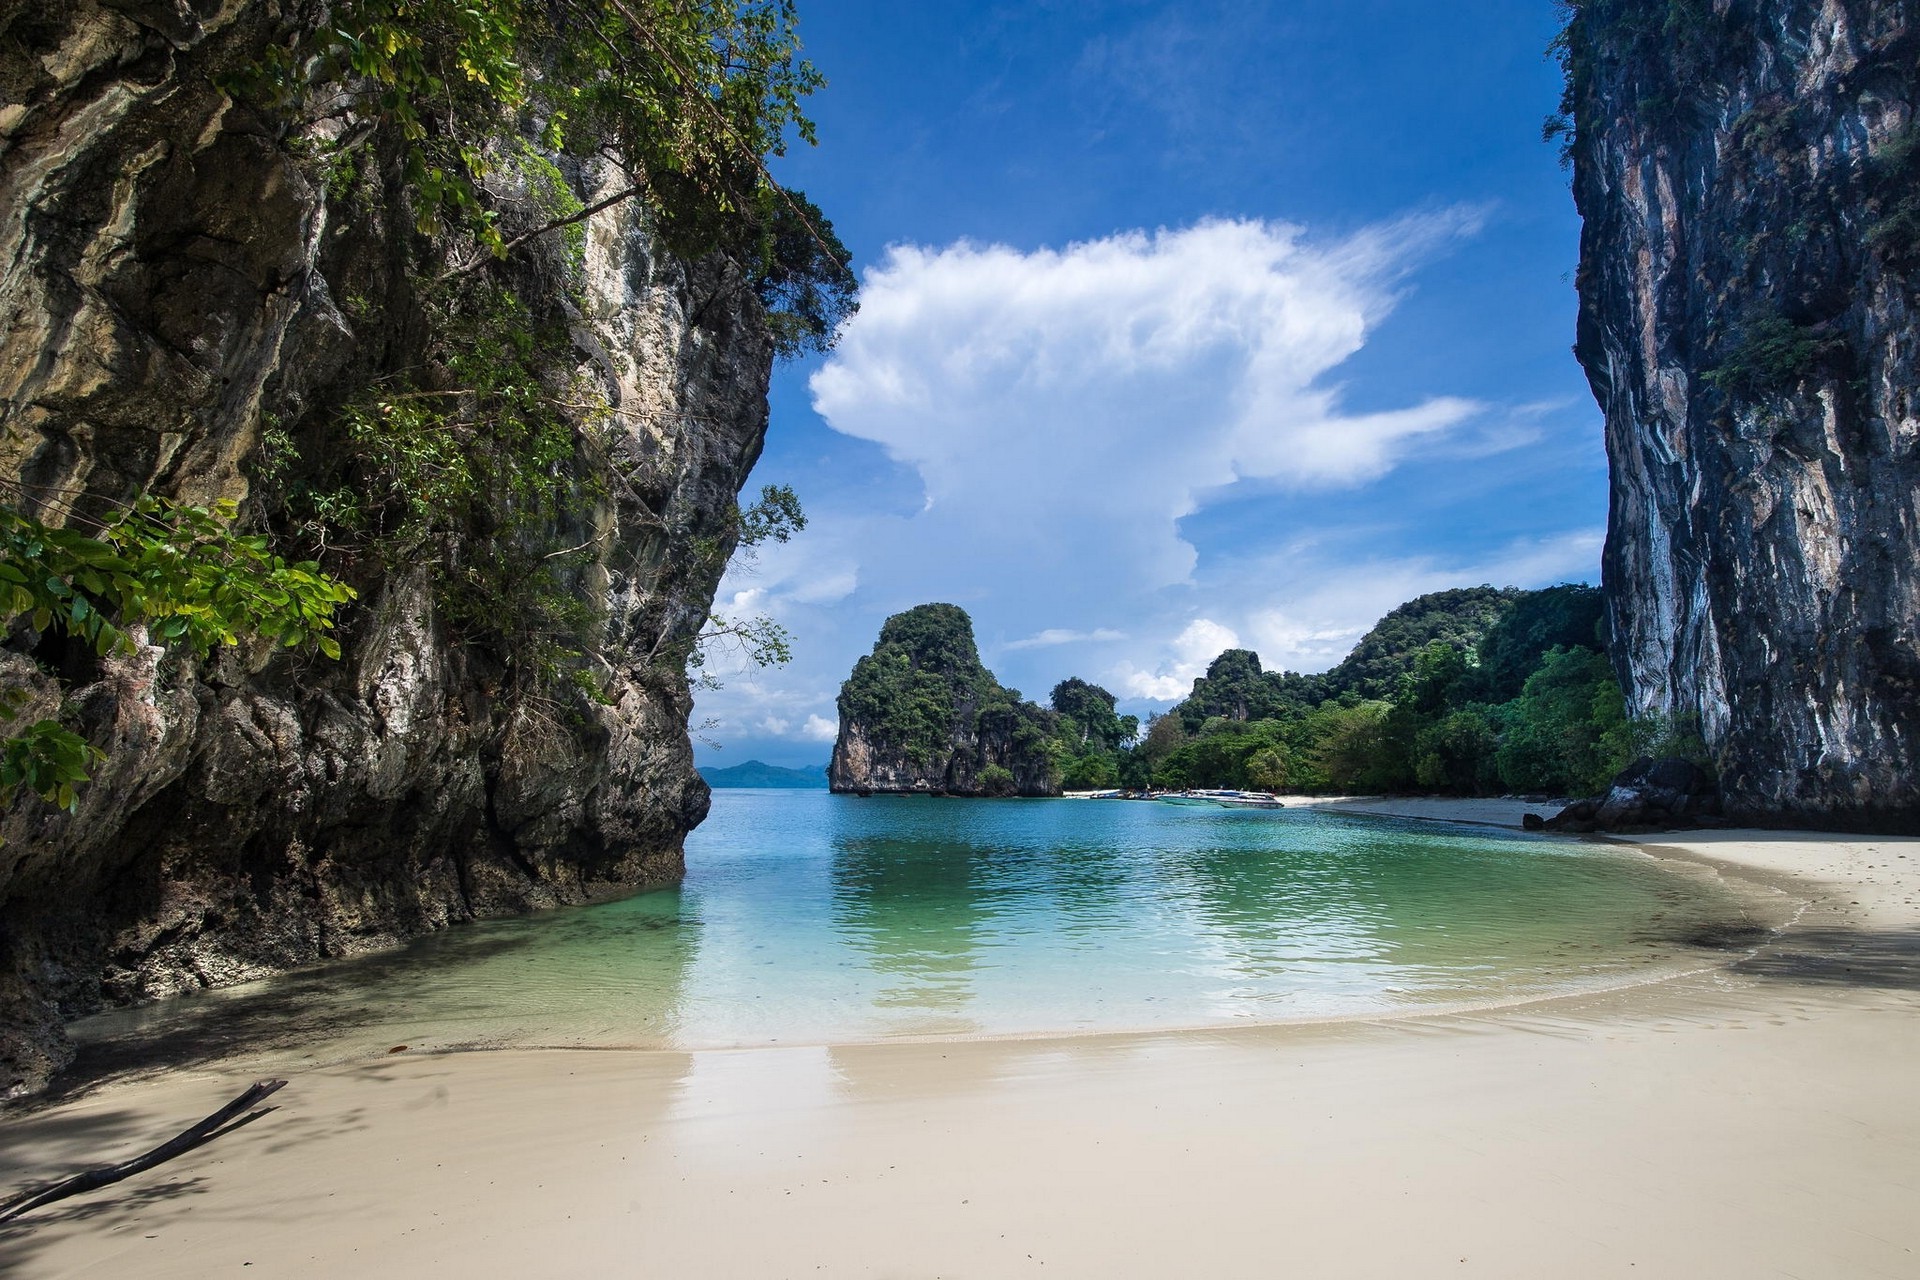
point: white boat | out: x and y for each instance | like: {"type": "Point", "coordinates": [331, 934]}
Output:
{"type": "Point", "coordinates": [1250, 800]}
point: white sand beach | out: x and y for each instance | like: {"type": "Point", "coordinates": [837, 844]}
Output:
{"type": "Point", "coordinates": [1756, 1118]}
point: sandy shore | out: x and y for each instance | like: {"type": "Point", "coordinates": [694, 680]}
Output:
{"type": "Point", "coordinates": [1756, 1119]}
{"type": "Point", "coordinates": [1489, 812]}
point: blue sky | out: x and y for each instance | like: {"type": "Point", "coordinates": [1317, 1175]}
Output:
{"type": "Point", "coordinates": [1185, 325]}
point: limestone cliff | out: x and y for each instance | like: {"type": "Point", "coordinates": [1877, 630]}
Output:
{"type": "Point", "coordinates": [920, 714]}
{"type": "Point", "coordinates": [178, 278]}
{"type": "Point", "coordinates": [1748, 176]}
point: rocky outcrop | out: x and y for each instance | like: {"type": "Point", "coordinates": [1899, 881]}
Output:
{"type": "Point", "coordinates": [1648, 795]}
{"type": "Point", "coordinates": [921, 715]}
{"type": "Point", "coordinates": [1749, 180]}
{"type": "Point", "coordinates": [176, 278]}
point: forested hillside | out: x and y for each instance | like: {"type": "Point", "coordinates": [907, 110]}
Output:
{"type": "Point", "coordinates": [1464, 692]}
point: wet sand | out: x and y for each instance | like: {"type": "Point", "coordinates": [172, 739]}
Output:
{"type": "Point", "coordinates": [1755, 1119]}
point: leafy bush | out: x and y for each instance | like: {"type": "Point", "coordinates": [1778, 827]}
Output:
{"type": "Point", "coordinates": [996, 780]}
{"type": "Point", "coordinates": [1772, 354]}
{"type": "Point", "coordinates": [180, 570]}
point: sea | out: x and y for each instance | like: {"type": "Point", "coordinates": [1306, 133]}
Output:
{"type": "Point", "coordinates": [809, 918]}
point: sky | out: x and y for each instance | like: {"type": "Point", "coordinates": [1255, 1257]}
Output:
{"type": "Point", "coordinates": [1184, 326]}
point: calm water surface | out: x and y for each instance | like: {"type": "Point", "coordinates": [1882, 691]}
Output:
{"type": "Point", "coordinates": [807, 917]}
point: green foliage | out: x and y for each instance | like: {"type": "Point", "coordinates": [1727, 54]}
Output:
{"type": "Point", "coordinates": [179, 570]}
{"type": "Point", "coordinates": [1519, 699]}
{"type": "Point", "coordinates": [1771, 355]}
{"type": "Point", "coordinates": [763, 642]}
{"type": "Point", "coordinates": [996, 780]}
{"type": "Point", "coordinates": [1894, 199]}
{"type": "Point", "coordinates": [1235, 687]}
{"type": "Point", "coordinates": [1270, 768]}
{"type": "Point", "coordinates": [1094, 771]}
{"type": "Point", "coordinates": [1088, 721]}
{"type": "Point", "coordinates": [776, 517]}
{"type": "Point", "coordinates": [1668, 54]}
{"type": "Point", "coordinates": [49, 760]}
{"type": "Point", "coordinates": [688, 99]}
{"type": "Point", "coordinates": [1459, 618]}
{"type": "Point", "coordinates": [805, 280]}
{"type": "Point", "coordinates": [910, 689]}
{"type": "Point", "coordinates": [923, 692]}
{"type": "Point", "coordinates": [1351, 748]}
{"type": "Point", "coordinates": [1457, 754]}
{"type": "Point", "coordinates": [1557, 736]}
{"type": "Point", "coordinates": [468, 468]}
{"type": "Point", "coordinates": [1569, 615]}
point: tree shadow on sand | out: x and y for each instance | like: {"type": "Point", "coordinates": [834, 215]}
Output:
{"type": "Point", "coordinates": [1884, 960]}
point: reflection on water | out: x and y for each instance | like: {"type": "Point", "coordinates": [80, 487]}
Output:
{"type": "Point", "coordinates": [809, 918]}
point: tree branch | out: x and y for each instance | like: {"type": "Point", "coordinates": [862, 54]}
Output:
{"type": "Point", "coordinates": [480, 260]}
{"type": "Point", "coordinates": [186, 1140]}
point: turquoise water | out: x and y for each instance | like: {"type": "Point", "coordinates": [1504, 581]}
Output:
{"type": "Point", "coordinates": [808, 918]}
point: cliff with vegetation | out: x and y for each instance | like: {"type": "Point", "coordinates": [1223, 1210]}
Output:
{"type": "Point", "coordinates": [921, 715]}
{"type": "Point", "coordinates": [1748, 172]}
{"type": "Point", "coordinates": [471, 310]}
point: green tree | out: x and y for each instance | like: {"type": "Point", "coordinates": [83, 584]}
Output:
{"type": "Point", "coordinates": [1269, 768]}
{"type": "Point", "coordinates": [1568, 616]}
{"type": "Point", "coordinates": [1555, 735]}
{"type": "Point", "coordinates": [687, 100]}
{"type": "Point", "coordinates": [1089, 718]}
{"type": "Point", "coordinates": [1458, 617]}
{"type": "Point", "coordinates": [1350, 748]}
{"type": "Point", "coordinates": [1457, 754]}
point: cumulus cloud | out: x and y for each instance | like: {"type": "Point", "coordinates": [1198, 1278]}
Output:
{"type": "Point", "coordinates": [1200, 643]}
{"type": "Point", "coordinates": [1086, 398]}
{"type": "Point", "coordinates": [819, 729]}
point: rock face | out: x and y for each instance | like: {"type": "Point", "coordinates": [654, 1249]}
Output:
{"type": "Point", "coordinates": [1750, 185]}
{"type": "Point", "coordinates": [921, 715]}
{"type": "Point", "coordinates": [174, 279]}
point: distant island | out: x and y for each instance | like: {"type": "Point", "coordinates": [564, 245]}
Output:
{"type": "Point", "coordinates": [757, 773]}
{"type": "Point", "coordinates": [921, 715]}
{"type": "Point", "coordinates": [1473, 691]}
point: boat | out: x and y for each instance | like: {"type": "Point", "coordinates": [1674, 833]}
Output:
{"type": "Point", "coordinates": [1192, 797]}
{"type": "Point", "coordinates": [1250, 800]}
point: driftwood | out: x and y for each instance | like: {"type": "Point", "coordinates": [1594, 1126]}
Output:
{"type": "Point", "coordinates": [221, 1121]}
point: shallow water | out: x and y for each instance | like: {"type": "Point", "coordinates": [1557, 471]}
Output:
{"type": "Point", "coordinates": [808, 918]}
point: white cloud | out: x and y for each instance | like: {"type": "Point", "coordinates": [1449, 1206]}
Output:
{"type": "Point", "coordinates": [1060, 635]}
{"type": "Point", "coordinates": [1200, 643]}
{"type": "Point", "coordinates": [1083, 400]}
{"type": "Point", "coordinates": [819, 729]}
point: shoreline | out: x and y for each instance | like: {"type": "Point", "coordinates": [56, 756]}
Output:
{"type": "Point", "coordinates": [1766, 1096]}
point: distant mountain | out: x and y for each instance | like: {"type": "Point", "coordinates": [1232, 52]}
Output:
{"type": "Point", "coordinates": [756, 774]}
